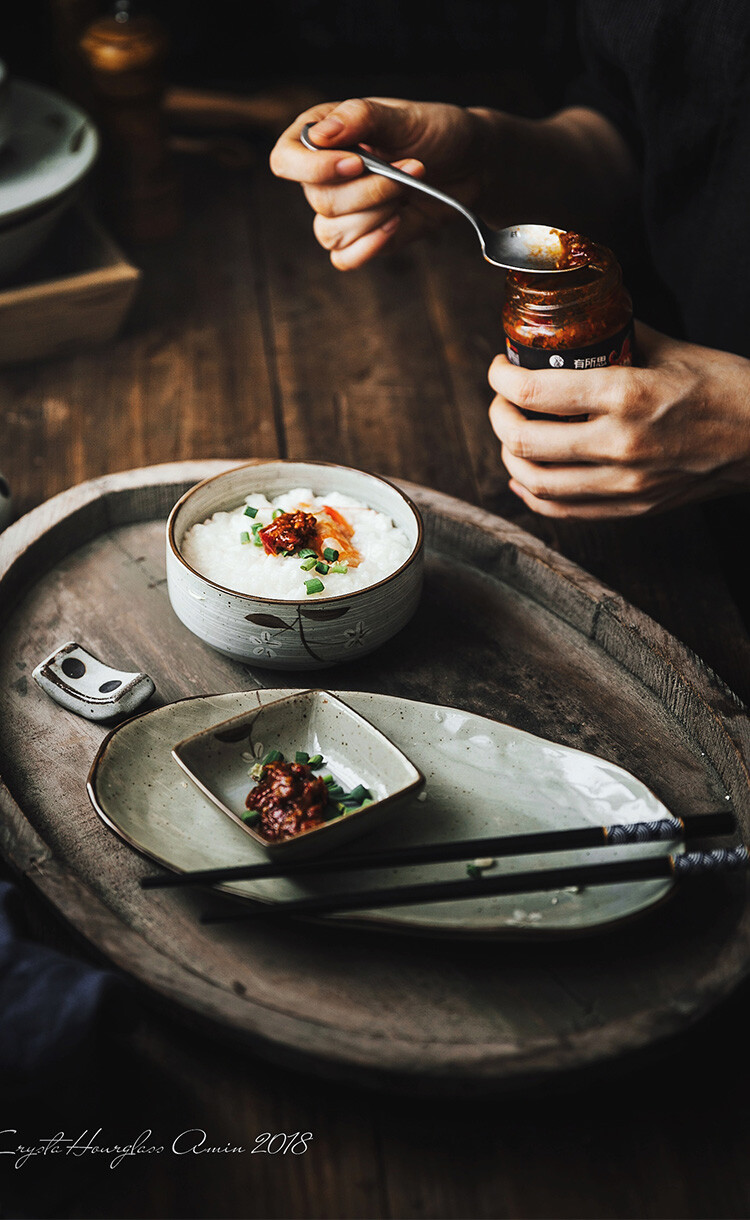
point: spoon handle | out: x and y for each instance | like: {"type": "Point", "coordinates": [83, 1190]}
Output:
{"type": "Point", "coordinates": [377, 166]}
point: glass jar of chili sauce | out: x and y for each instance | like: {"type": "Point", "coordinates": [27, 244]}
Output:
{"type": "Point", "coordinates": [582, 319]}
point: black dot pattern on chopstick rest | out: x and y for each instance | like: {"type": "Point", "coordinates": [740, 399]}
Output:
{"type": "Point", "coordinates": [113, 684]}
{"type": "Point", "coordinates": [73, 667]}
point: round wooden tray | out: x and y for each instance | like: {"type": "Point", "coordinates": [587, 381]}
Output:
{"type": "Point", "coordinates": [508, 629]}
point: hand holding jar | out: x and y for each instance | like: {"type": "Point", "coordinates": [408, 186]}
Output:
{"type": "Point", "coordinates": [637, 439]}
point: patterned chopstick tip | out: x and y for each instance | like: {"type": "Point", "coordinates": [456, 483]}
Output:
{"type": "Point", "coordinates": [644, 832]}
{"type": "Point", "coordinates": [693, 863]}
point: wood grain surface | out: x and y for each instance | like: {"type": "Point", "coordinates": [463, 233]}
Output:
{"type": "Point", "coordinates": [244, 342]}
{"type": "Point", "coordinates": [548, 649]}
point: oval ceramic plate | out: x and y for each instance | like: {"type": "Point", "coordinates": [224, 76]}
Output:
{"type": "Point", "coordinates": [482, 778]}
{"type": "Point", "coordinates": [51, 146]}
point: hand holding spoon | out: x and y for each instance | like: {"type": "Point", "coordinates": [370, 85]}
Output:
{"type": "Point", "coordinates": [530, 247]}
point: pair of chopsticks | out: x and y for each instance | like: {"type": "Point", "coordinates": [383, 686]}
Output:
{"type": "Point", "coordinates": [606, 873]}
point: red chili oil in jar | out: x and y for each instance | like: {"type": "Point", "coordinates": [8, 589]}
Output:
{"type": "Point", "coordinates": [581, 319]}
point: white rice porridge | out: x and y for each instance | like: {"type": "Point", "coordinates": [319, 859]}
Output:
{"type": "Point", "coordinates": [216, 548]}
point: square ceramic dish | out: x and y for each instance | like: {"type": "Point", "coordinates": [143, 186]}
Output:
{"type": "Point", "coordinates": [219, 761]}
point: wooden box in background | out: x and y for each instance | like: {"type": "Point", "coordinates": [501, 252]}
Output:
{"type": "Point", "coordinates": [75, 293]}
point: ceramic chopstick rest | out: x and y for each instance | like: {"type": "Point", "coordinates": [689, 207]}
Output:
{"type": "Point", "coordinates": [83, 684]}
{"type": "Point", "coordinates": [6, 503]}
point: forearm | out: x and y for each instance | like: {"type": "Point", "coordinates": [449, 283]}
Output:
{"type": "Point", "coordinates": [573, 169]}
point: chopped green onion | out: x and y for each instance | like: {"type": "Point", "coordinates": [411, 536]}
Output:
{"type": "Point", "coordinates": [322, 568]}
{"type": "Point", "coordinates": [306, 553]}
{"type": "Point", "coordinates": [314, 586]}
{"type": "Point", "coordinates": [359, 794]}
{"type": "Point", "coordinates": [244, 537]}
{"type": "Point", "coordinates": [277, 512]}
{"type": "Point", "coordinates": [473, 871]}
{"type": "Point", "coordinates": [257, 527]}
{"type": "Point", "coordinates": [250, 816]}
{"type": "Point", "coordinates": [308, 563]}
{"type": "Point", "coordinates": [317, 760]}
{"type": "Point", "coordinates": [328, 779]}
{"type": "Point", "coordinates": [258, 541]}
{"type": "Point", "coordinates": [340, 567]}
{"type": "Point", "coordinates": [302, 756]}
{"type": "Point", "coordinates": [273, 756]}
{"type": "Point", "coordinates": [330, 554]}
{"type": "Point", "coordinates": [250, 511]}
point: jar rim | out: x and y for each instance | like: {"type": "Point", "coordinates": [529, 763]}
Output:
{"type": "Point", "coordinates": [547, 292]}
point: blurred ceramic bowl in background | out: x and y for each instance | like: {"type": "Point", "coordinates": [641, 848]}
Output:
{"type": "Point", "coordinates": [6, 503]}
{"type": "Point", "coordinates": [50, 148]}
{"type": "Point", "coordinates": [277, 633]}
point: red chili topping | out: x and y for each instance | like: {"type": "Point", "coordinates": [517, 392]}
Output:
{"type": "Point", "coordinates": [289, 799]}
{"type": "Point", "coordinates": [290, 532]}
{"type": "Point", "coordinates": [577, 251]}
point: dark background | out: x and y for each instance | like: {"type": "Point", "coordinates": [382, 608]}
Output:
{"type": "Point", "coordinates": [467, 51]}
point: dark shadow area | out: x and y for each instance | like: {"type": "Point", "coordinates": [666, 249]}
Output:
{"type": "Point", "coordinates": [445, 50]}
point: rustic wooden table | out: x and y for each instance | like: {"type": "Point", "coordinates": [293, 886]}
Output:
{"type": "Point", "coordinates": [245, 342]}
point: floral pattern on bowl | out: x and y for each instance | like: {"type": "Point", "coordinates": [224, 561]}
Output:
{"type": "Point", "coordinates": [274, 633]}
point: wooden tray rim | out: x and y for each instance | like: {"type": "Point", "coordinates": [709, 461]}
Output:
{"type": "Point", "coordinates": [289, 1039]}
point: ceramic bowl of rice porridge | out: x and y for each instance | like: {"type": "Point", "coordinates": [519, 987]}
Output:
{"type": "Point", "coordinates": [294, 565]}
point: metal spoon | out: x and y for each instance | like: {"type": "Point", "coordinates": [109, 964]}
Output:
{"type": "Point", "coordinates": [519, 248]}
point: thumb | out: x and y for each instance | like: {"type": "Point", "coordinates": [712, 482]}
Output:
{"type": "Point", "coordinates": [362, 120]}
{"type": "Point", "coordinates": [650, 343]}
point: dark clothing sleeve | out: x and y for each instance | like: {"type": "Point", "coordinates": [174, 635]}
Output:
{"type": "Point", "coordinates": [54, 1008]}
{"type": "Point", "coordinates": [603, 83]}
{"type": "Point", "coordinates": [674, 77]}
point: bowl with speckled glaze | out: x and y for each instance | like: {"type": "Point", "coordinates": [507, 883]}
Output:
{"type": "Point", "coordinates": [277, 633]}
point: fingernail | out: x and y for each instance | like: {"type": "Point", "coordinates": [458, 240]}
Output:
{"type": "Point", "coordinates": [409, 166]}
{"type": "Point", "coordinates": [327, 127]}
{"type": "Point", "coordinates": [391, 224]}
{"type": "Point", "coordinates": [349, 166]}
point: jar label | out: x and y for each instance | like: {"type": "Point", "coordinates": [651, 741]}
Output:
{"type": "Point", "coordinates": [617, 349]}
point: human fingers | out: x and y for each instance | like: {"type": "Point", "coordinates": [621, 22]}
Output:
{"type": "Point", "coordinates": [404, 224]}
{"type": "Point", "coordinates": [596, 438]}
{"type": "Point", "coordinates": [589, 481]}
{"type": "Point", "coordinates": [582, 510]}
{"type": "Point", "coordinates": [368, 191]}
{"type": "Point", "coordinates": [565, 391]}
{"type": "Point", "coordinates": [290, 159]}
{"type": "Point", "coordinates": [337, 126]}
{"type": "Point", "coordinates": [384, 123]}
{"type": "Point", "coordinates": [585, 440]}
{"type": "Point", "coordinates": [342, 232]}
{"type": "Point", "coordinates": [362, 249]}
